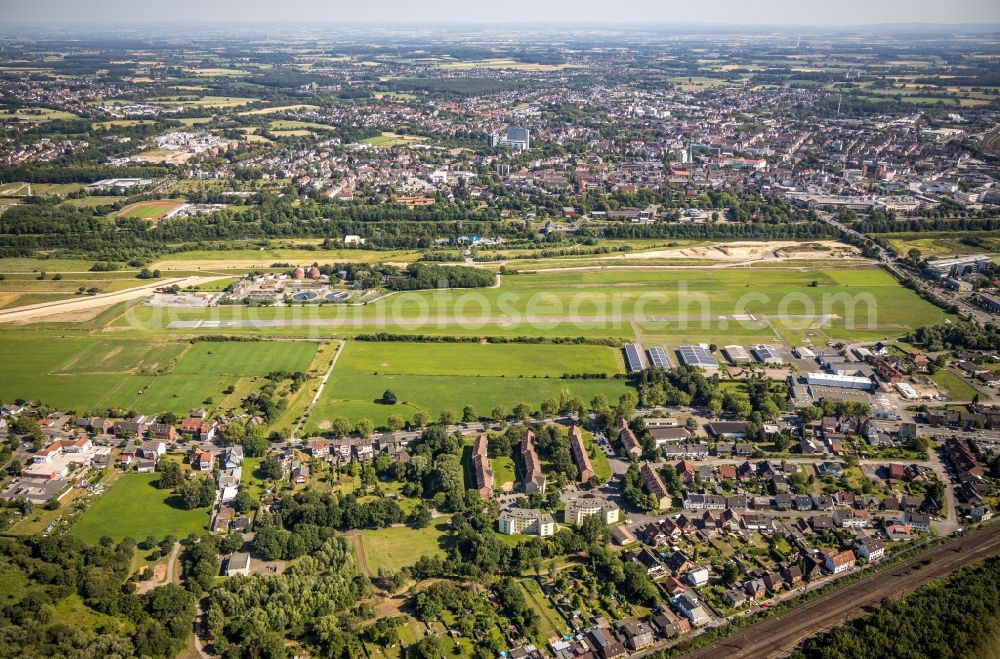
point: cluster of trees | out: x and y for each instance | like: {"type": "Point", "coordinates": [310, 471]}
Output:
{"type": "Point", "coordinates": [252, 616]}
{"type": "Point", "coordinates": [448, 338]}
{"type": "Point", "coordinates": [419, 276]}
{"type": "Point", "coordinates": [687, 385]}
{"type": "Point", "coordinates": [51, 568]}
{"type": "Point", "coordinates": [952, 618]}
{"type": "Point", "coordinates": [956, 336]}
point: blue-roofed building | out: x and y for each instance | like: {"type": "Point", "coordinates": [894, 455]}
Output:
{"type": "Point", "coordinates": [766, 354]}
{"type": "Point", "coordinates": [632, 359]}
{"type": "Point", "coordinates": [699, 356]}
{"type": "Point", "coordinates": [658, 357]}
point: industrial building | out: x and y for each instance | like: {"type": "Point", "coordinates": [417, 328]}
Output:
{"type": "Point", "coordinates": [958, 266]}
{"type": "Point", "coordinates": [736, 354]}
{"type": "Point", "coordinates": [658, 357]}
{"type": "Point", "coordinates": [697, 356]}
{"type": "Point", "coordinates": [632, 359]}
{"type": "Point", "coordinates": [766, 354]}
{"type": "Point", "coordinates": [818, 378]}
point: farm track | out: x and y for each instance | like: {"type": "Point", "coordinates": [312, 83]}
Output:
{"type": "Point", "coordinates": [779, 636]}
{"type": "Point", "coordinates": [32, 311]}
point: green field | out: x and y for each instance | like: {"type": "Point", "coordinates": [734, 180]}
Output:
{"type": "Point", "coordinates": [954, 386]}
{"type": "Point", "coordinates": [147, 210]}
{"type": "Point", "coordinates": [945, 244]}
{"type": "Point", "coordinates": [434, 377]}
{"type": "Point", "coordinates": [476, 359]}
{"type": "Point", "coordinates": [400, 546]}
{"type": "Point", "coordinates": [860, 302]}
{"type": "Point", "coordinates": [84, 373]}
{"type": "Point", "coordinates": [393, 139]}
{"type": "Point", "coordinates": [246, 358]}
{"type": "Point", "coordinates": [135, 507]}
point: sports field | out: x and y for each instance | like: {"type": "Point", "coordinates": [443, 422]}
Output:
{"type": "Point", "coordinates": [134, 507]}
{"type": "Point", "coordinates": [148, 210]}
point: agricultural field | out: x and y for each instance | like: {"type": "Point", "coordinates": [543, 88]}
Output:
{"type": "Point", "coordinates": [476, 359]}
{"type": "Point", "coordinates": [134, 507]}
{"type": "Point", "coordinates": [428, 381]}
{"type": "Point", "coordinates": [276, 110]}
{"type": "Point", "coordinates": [246, 357]}
{"type": "Point", "coordinates": [38, 189]}
{"type": "Point", "coordinates": [220, 102]}
{"type": "Point", "coordinates": [38, 115]}
{"type": "Point", "coordinates": [82, 373]}
{"type": "Point", "coordinates": [288, 124]}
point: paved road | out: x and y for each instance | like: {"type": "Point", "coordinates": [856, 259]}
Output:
{"type": "Point", "coordinates": [780, 635]}
{"type": "Point", "coordinates": [43, 309]}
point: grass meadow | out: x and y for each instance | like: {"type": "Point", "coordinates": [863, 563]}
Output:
{"type": "Point", "coordinates": [135, 507]}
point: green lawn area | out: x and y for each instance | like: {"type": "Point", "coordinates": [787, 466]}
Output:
{"type": "Point", "coordinates": [400, 546]}
{"type": "Point", "coordinates": [954, 386]}
{"type": "Point", "coordinates": [599, 461]}
{"type": "Point", "coordinates": [503, 471]}
{"type": "Point", "coordinates": [135, 507]}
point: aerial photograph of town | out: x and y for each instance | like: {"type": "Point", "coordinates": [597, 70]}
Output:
{"type": "Point", "coordinates": [542, 330]}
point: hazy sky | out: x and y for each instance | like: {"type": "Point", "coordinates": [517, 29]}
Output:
{"type": "Point", "coordinates": [751, 12]}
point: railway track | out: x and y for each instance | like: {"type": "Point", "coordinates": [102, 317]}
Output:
{"type": "Point", "coordinates": [778, 636]}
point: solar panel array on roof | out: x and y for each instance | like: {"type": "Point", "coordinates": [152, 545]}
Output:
{"type": "Point", "coordinates": [658, 357]}
{"type": "Point", "coordinates": [767, 354]}
{"type": "Point", "coordinates": [697, 356]}
{"type": "Point", "coordinates": [632, 358]}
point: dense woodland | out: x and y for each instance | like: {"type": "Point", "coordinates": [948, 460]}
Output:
{"type": "Point", "coordinates": [47, 578]}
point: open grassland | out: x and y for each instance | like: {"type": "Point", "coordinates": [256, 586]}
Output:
{"type": "Point", "coordinates": [85, 373]}
{"type": "Point", "coordinates": [134, 507]}
{"type": "Point", "coordinates": [203, 101]}
{"type": "Point", "coordinates": [400, 546]}
{"type": "Point", "coordinates": [288, 124]}
{"type": "Point", "coordinates": [276, 110]}
{"type": "Point", "coordinates": [38, 114]}
{"type": "Point", "coordinates": [357, 396]}
{"type": "Point", "coordinates": [842, 302]}
{"type": "Point", "coordinates": [246, 358]}
{"type": "Point", "coordinates": [956, 388]}
{"type": "Point", "coordinates": [19, 189]}
{"type": "Point", "coordinates": [945, 243]}
{"type": "Point", "coordinates": [476, 359]}
{"type": "Point", "coordinates": [388, 139]}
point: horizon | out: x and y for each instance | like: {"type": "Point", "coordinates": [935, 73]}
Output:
{"type": "Point", "coordinates": [979, 14]}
